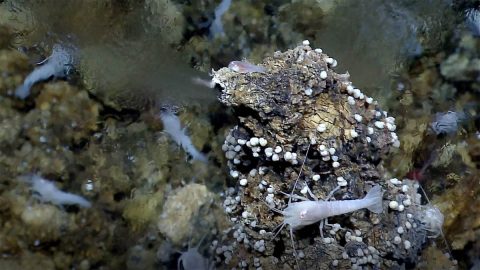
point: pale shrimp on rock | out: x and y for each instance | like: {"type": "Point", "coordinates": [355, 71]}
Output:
{"type": "Point", "coordinates": [306, 212]}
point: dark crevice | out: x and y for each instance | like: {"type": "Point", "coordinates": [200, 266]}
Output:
{"type": "Point", "coordinates": [278, 249]}
{"type": "Point", "coordinates": [119, 196]}
{"type": "Point", "coordinates": [244, 111]}
{"type": "Point", "coordinates": [125, 114]}
{"type": "Point", "coordinates": [221, 118]}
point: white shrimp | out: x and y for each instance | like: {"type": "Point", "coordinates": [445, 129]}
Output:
{"type": "Point", "coordinates": [299, 214]}
{"type": "Point", "coordinates": [306, 212]}
{"type": "Point", "coordinates": [172, 126]}
{"type": "Point", "coordinates": [245, 67]}
{"type": "Point", "coordinates": [58, 65]}
{"type": "Point", "coordinates": [192, 259]}
{"type": "Point", "coordinates": [47, 192]}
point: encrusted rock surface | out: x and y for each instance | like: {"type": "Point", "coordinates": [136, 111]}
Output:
{"type": "Point", "coordinates": [298, 110]}
{"type": "Point", "coordinates": [180, 210]}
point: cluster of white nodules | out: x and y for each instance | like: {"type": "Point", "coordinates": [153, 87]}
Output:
{"type": "Point", "coordinates": [242, 264]}
{"type": "Point", "coordinates": [354, 236]}
{"type": "Point", "coordinates": [255, 144]}
{"type": "Point", "coordinates": [241, 237]}
{"type": "Point", "coordinates": [226, 251]}
{"type": "Point", "coordinates": [328, 240]}
{"type": "Point", "coordinates": [232, 200]}
{"type": "Point", "coordinates": [402, 201]}
{"type": "Point", "coordinates": [362, 257]}
{"type": "Point", "coordinates": [388, 123]}
{"type": "Point", "coordinates": [323, 74]}
{"type": "Point", "coordinates": [277, 153]}
{"type": "Point", "coordinates": [270, 190]}
{"type": "Point", "coordinates": [248, 219]}
{"type": "Point", "coordinates": [259, 246]}
{"type": "Point", "coordinates": [233, 147]}
{"type": "Point", "coordinates": [257, 264]}
{"type": "Point", "coordinates": [397, 240]}
{"type": "Point", "coordinates": [355, 93]}
{"type": "Point", "coordinates": [328, 153]}
{"type": "Point", "coordinates": [330, 61]}
{"type": "Point", "coordinates": [291, 157]}
{"type": "Point", "coordinates": [265, 186]}
{"type": "Point", "coordinates": [244, 179]}
{"type": "Point", "coordinates": [234, 150]}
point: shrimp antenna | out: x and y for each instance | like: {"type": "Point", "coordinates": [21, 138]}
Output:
{"type": "Point", "coordinates": [293, 245]}
{"type": "Point", "coordinates": [290, 200]}
{"type": "Point", "coordinates": [281, 225]}
{"type": "Point", "coordinates": [299, 174]}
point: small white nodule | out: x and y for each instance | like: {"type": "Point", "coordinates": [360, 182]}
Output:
{"type": "Point", "coordinates": [322, 128]}
{"type": "Point", "coordinates": [323, 75]}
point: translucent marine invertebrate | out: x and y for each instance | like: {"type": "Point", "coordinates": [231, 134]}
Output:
{"type": "Point", "coordinates": [472, 20]}
{"type": "Point", "coordinates": [172, 126]}
{"type": "Point", "coordinates": [216, 28]}
{"type": "Point", "coordinates": [299, 214]}
{"type": "Point", "coordinates": [245, 67]}
{"type": "Point", "coordinates": [306, 212]}
{"type": "Point", "coordinates": [57, 65]}
{"type": "Point", "coordinates": [446, 123]}
{"type": "Point", "coordinates": [432, 219]}
{"type": "Point", "coordinates": [47, 191]}
{"type": "Point", "coordinates": [193, 260]}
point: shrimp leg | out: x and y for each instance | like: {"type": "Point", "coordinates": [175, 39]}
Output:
{"type": "Point", "coordinates": [324, 222]}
